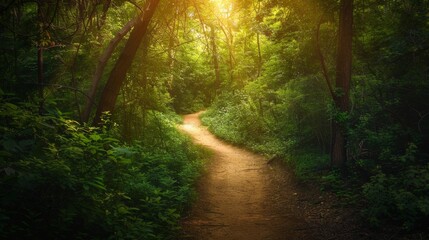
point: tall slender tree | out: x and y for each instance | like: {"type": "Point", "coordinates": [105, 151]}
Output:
{"type": "Point", "coordinates": [342, 82]}
{"type": "Point", "coordinates": [215, 55]}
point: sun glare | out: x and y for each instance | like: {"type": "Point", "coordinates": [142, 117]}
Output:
{"type": "Point", "coordinates": [224, 6]}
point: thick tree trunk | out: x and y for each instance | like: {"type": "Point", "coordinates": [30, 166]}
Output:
{"type": "Point", "coordinates": [118, 74]}
{"type": "Point", "coordinates": [343, 79]}
{"type": "Point", "coordinates": [102, 62]}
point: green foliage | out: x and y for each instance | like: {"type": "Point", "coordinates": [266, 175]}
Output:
{"type": "Point", "coordinates": [238, 119]}
{"type": "Point", "coordinates": [131, 178]}
{"type": "Point", "coordinates": [286, 110]}
{"type": "Point", "coordinates": [59, 178]}
{"type": "Point", "coordinates": [332, 181]}
{"type": "Point", "coordinates": [388, 134]}
{"type": "Point", "coordinates": [400, 198]}
{"type": "Point", "coordinates": [192, 81]}
{"type": "Point", "coordinates": [308, 164]}
{"type": "Point", "coordinates": [235, 119]}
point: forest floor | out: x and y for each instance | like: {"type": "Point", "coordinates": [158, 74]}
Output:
{"type": "Point", "coordinates": [243, 197]}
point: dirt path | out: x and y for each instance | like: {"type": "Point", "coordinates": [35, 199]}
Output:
{"type": "Point", "coordinates": [240, 196]}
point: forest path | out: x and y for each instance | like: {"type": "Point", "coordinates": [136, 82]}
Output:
{"type": "Point", "coordinates": [240, 195]}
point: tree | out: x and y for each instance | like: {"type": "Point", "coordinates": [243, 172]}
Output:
{"type": "Point", "coordinates": [343, 78]}
{"type": "Point", "coordinates": [102, 62]}
{"type": "Point", "coordinates": [215, 55]}
{"type": "Point", "coordinates": [118, 74]}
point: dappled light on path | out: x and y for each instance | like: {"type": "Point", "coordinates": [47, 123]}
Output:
{"type": "Point", "coordinates": [189, 128]}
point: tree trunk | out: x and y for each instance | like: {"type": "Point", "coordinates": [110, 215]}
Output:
{"type": "Point", "coordinates": [145, 80]}
{"type": "Point", "coordinates": [230, 40]}
{"type": "Point", "coordinates": [343, 79]}
{"type": "Point", "coordinates": [102, 62]}
{"type": "Point", "coordinates": [215, 60]}
{"type": "Point", "coordinates": [106, 7]}
{"type": "Point", "coordinates": [40, 75]}
{"type": "Point", "coordinates": [119, 72]}
{"type": "Point", "coordinates": [258, 41]}
{"type": "Point", "coordinates": [40, 50]}
{"type": "Point", "coordinates": [171, 48]}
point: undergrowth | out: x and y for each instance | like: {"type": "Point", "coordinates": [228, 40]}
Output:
{"type": "Point", "coordinates": [63, 180]}
{"type": "Point", "coordinates": [387, 182]}
{"type": "Point", "coordinates": [238, 122]}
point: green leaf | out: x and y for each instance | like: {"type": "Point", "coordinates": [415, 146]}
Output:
{"type": "Point", "coordinates": [97, 183]}
{"type": "Point", "coordinates": [95, 137]}
{"type": "Point", "coordinates": [123, 151]}
{"type": "Point", "coordinates": [11, 106]}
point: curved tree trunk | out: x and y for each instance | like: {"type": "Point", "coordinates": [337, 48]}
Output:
{"type": "Point", "coordinates": [118, 74]}
{"type": "Point", "coordinates": [102, 62]}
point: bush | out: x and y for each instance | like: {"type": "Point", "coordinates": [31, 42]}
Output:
{"type": "Point", "coordinates": [237, 118]}
{"type": "Point", "coordinates": [60, 179]}
{"type": "Point", "coordinates": [399, 198]}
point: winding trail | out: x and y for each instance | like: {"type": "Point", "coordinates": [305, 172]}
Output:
{"type": "Point", "coordinates": [240, 195]}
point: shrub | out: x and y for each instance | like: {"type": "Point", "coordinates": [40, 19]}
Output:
{"type": "Point", "coordinates": [60, 179]}
{"type": "Point", "coordinates": [401, 198]}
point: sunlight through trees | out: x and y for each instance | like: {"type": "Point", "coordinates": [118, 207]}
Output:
{"type": "Point", "coordinates": [91, 92]}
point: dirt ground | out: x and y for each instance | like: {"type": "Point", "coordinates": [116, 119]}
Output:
{"type": "Point", "coordinates": [242, 197]}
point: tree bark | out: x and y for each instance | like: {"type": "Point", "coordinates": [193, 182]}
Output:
{"type": "Point", "coordinates": [322, 60]}
{"type": "Point", "coordinates": [258, 41]}
{"type": "Point", "coordinates": [215, 60]}
{"type": "Point", "coordinates": [40, 50]}
{"type": "Point", "coordinates": [118, 74]}
{"type": "Point", "coordinates": [102, 62]}
{"type": "Point", "coordinates": [230, 42]}
{"type": "Point", "coordinates": [171, 48]}
{"type": "Point", "coordinates": [40, 72]}
{"type": "Point", "coordinates": [106, 7]}
{"type": "Point", "coordinates": [343, 79]}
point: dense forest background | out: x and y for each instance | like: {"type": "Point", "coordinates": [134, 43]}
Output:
{"type": "Point", "coordinates": [90, 94]}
